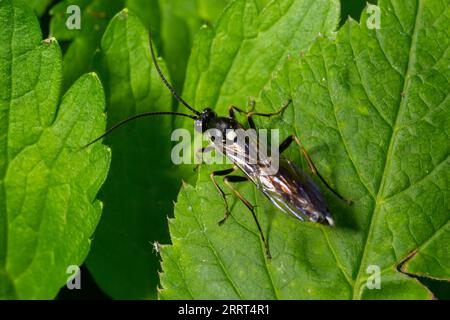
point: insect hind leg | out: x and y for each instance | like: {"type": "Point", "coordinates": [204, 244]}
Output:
{"type": "Point", "coordinates": [293, 138]}
{"type": "Point", "coordinates": [221, 192]}
{"type": "Point", "coordinates": [233, 179]}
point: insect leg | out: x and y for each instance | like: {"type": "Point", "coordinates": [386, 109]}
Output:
{"type": "Point", "coordinates": [261, 114]}
{"type": "Point", "coordinates": [232, 110]}
{"type": "Point", "coordinates": [271, 114]}
{"type": "Point", "coordinates": [286, 143]}
{"type": "Point", "coordinates": [232, 113]}
{"type": "Point", "coordinates": [219, 189]}
{"type": "Point", "coordinates": [227, 180]}
{"type": "Point", "coordinates": [233, 179]}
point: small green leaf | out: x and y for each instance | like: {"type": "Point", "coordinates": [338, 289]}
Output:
{"type": "Point", "coordinates": [48, 184]}
{"type": "Point", "coordinates": [139, 191]}
{"type": "Point", "coordinates": [371, 106]}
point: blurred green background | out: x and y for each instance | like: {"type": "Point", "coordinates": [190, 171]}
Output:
{"type": "Point", "coordinates": [174, 24]}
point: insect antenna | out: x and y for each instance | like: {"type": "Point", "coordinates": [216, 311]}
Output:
{"type": "Point", "coordinates": [168, 85]}
{"type": "Point", "coordinates": [148, 114]}
{"type": "Point", "coordinates": [137, 116]}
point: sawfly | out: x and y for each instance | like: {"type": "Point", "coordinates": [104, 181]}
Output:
{"type": "Point", "coordinates": [290, 189]}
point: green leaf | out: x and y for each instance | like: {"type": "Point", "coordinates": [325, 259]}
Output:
{"type": "Point", "coordinates": [141, 186]}
{"type": "Point", "coordinates": [48, 184]}
{"type": "Point", "coordinates": [371, 107]}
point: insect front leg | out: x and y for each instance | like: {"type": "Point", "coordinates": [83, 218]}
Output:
{"type": "Point", "coordinates": [233, 179]}
{"type": "Point", "coordinates": [287, 142]}
{"type": "Point", "coordinates": [270, 114]}
{"type": "Point", "coordinates": [221, 192]}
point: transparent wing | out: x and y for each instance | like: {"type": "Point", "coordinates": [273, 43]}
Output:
{"type": "Point", "coordinates": [242, 147]}
{"type": "Point", "coordinates": [288, 188]}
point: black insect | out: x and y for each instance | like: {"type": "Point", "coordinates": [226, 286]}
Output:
{"type": "Point", "coordinates": [290, 189]}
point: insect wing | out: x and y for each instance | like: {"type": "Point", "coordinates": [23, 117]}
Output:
{"type": "Point", "coordinates": [245, 150]}
{"type": "Point", "coordinates": [292, 191]}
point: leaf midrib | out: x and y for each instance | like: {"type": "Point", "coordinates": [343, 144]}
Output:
{"type": "Point", "coordinates": [379, 196]}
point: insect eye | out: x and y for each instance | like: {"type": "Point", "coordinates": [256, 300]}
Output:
{"type": "Point", "coordinates": [208, 113]}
